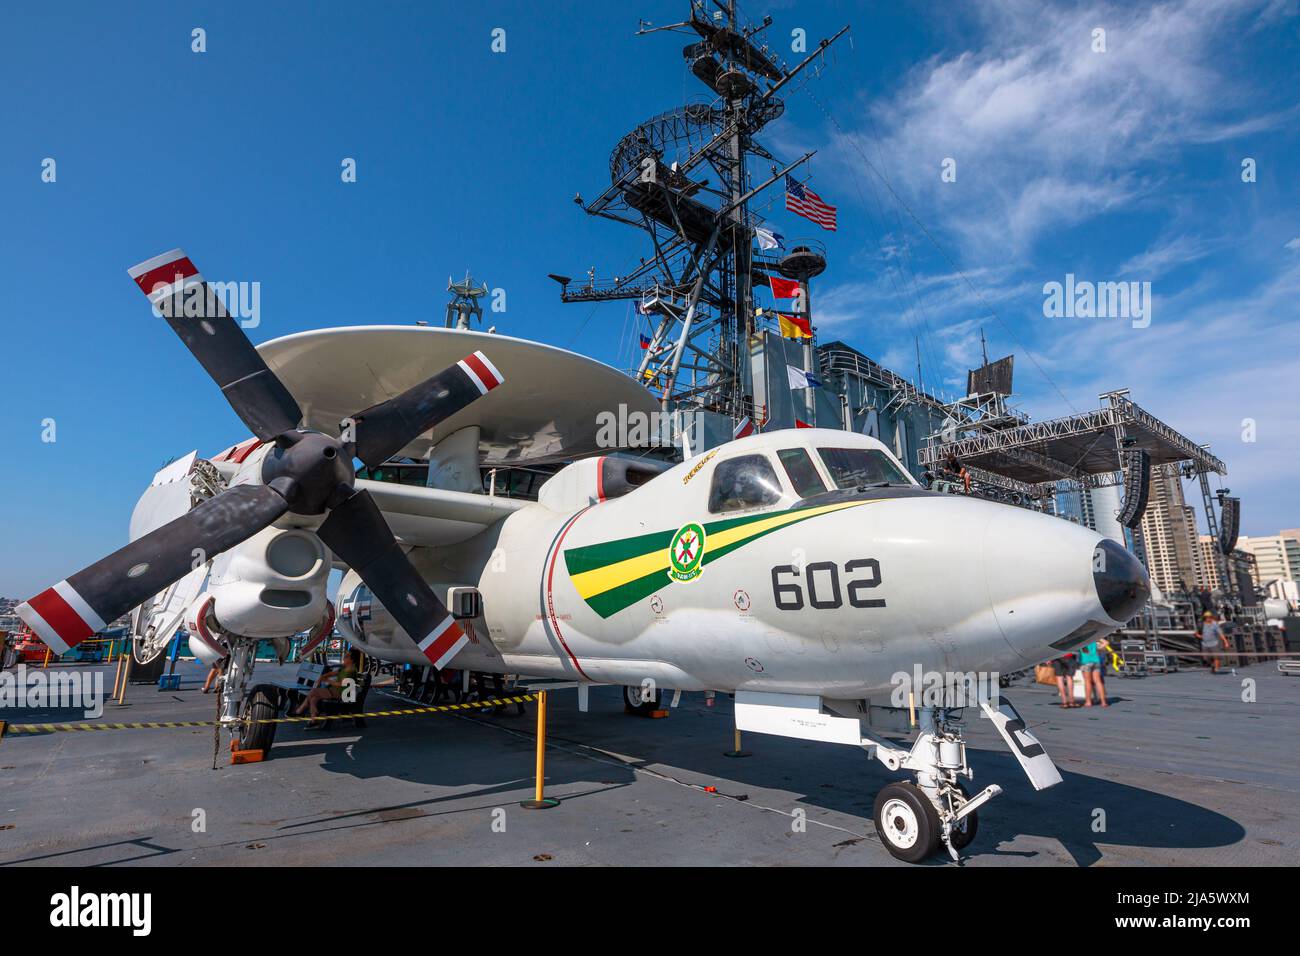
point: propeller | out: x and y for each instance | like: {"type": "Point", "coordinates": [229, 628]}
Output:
{"type": "Point", "coordinates": [306, 472]}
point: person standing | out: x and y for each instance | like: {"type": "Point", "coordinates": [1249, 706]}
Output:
{"type": "Point", "coordinates": [214, 672]}
{"type": "Point", "coordinates": [1090, 663]}
{"type": "Point", "coordinates": [1063, 667]}
{"type": "Point", "coordinates": [1213, 639]}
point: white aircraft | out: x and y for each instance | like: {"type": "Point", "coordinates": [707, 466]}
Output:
{"type": "Point", "coordinates": [794, 569]}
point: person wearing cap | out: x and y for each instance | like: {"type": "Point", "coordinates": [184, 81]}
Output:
{"type": "Point", "coordinates": [1212, 639]}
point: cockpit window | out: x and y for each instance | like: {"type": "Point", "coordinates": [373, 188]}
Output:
{"type": "Point", "coordinates": [745, 482]}
{"type": "Point", "coordinates": [852, 467]}
{"type": "Point", "coordinates": [798, 465]}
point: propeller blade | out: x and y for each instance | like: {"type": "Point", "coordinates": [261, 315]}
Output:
{"type": "Point", "coordinates": [385, 429]}
{"type": "Point", "coordinates": [74, 609]}
{"type": "Point", "coordinates": [357, 532]}
{"type": "Point", "coordinates": [175, 287]}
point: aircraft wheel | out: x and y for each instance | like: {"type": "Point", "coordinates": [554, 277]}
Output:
{"type": "Point", "coordinates": [260, 705]}
{"type": "Point", "coordinates": [906, 822]}
{"type": "Point", "coordinates": [634, 701]}
{"type": "Point", "coordinates": [963, 834]}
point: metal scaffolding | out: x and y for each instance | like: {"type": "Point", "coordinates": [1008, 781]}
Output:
{"type": "Point", "coordinates": [1083, 448]}
{"type": "Point", "coordinates": [683, 177]}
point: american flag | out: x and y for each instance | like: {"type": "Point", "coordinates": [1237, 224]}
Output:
{"type": "Point", "coordinates": [804, 202]}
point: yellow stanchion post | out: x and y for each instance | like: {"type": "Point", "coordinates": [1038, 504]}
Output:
{"type": "Point", "coordinates": [737, 750]}
{"type": "Point", "coordinates": [126, 676]}
{"type": "Point", "coordinates": [540, 801]}
{"type": "Point", "coordinates": [48, 652]}
{"type": "Point", "coordinates": [117, 677]}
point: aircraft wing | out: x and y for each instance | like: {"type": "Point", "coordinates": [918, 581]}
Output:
{"type": "Point", "coordinates": [430, 517]}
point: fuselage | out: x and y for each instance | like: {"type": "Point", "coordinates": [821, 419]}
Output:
{"type": "Point", "coordinates": [802, 561]}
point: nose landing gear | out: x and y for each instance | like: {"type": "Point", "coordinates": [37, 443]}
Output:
{"type": "Point", "coordinates": [913, 819]}
{"type": "Point", "coordinates": [906, 822]}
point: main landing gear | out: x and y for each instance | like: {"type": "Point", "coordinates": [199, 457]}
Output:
{"type": "Point", "coordinates": [641, 701]}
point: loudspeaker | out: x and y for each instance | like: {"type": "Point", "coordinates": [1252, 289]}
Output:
{"type": "Point", "coordinates": [1137, 487]}
{"type": "Point", "coordinates": [1229, 523]}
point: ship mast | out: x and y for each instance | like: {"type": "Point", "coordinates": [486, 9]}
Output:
{"type": "Point", "coordinates": [684, 178]}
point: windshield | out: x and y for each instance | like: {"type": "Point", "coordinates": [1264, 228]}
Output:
{"type": "Point", "coordinates": [852, 467]}
{"type": "Point", "coordinates": [745, 482]}
{"type": "Point", "coordinates": [802, 472]}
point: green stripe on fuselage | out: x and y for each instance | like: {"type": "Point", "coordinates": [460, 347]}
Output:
{"type": "Point", "coordinates": [608, 603]}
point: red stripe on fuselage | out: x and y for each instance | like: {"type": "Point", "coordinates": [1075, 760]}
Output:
{"type": "Point", "coordinates": [550, 597]}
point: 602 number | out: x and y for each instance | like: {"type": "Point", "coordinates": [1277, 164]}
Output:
{"type": "Point", "coordinates": [823, 579]}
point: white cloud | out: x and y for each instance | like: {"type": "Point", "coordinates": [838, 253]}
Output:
{"type": "Point", "coordinates": [1167, 255]}
{"type": "Point", "coordinates": [1045, 131]}
{"type": "Point", "coordinates": [1204, 366]}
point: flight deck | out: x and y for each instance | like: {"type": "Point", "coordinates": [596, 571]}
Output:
{"type": "Point", "coordinates": [1178, 770]}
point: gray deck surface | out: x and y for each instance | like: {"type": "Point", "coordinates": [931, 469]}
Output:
{"type": "Point", "coordinates": [1184, 771]}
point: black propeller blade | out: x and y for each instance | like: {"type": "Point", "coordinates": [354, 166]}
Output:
{"type": "Point", "coordinates": [385, 429]}
{"type": "Point", "coordinates": [175, 287]}
{"type": "Point", "coordinates": [357, 532]}
{"type": "Point", "coordinates": [71, 611]}
{"type": "Point", "coordinates": [306, 472]}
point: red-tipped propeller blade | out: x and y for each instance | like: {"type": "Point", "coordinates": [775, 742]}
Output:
{"type": "Point", "coordinates": [173, 284]}
{"type": "Point", "coordinates": [385, 429]}
{"type": "Point", "coordinates": [357, 532]}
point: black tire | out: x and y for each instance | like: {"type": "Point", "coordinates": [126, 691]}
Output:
{"type": "Point", "coordinates": [634, 701]}
{"type": "Point", "coordinates": [906, 822]}
{"type": "Point", "coordinates": [969, 825]}
{"type": "Point", "coordinates": [262, 703]}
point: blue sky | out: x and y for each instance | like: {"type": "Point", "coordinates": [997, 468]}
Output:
{"type": "Point", "coordinates": [1122, 165]}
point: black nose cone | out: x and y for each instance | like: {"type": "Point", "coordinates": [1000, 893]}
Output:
{"type": "Point", "coordinates": [1120, 579]}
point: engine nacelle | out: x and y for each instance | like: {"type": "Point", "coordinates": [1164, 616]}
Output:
{"type": "Point", "coordinates": [272, 585]}
{"type": "Point", "coordinates": [364, 621]}
{"type": "Point", "coordinates": [206, 644]}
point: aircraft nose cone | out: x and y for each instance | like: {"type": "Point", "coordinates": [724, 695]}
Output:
{"type": "Point", "coordinates": [1120, 579]}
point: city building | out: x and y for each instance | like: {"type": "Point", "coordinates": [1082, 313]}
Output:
{"type": "Point", "coordinates": [1169, 534]}
{"type": "Point", "coordinates": [1208, 575]}
{"type": "Point", "coordinates": [1276, 557]}
{"type": "Point", "coordinates": [1095, 508]}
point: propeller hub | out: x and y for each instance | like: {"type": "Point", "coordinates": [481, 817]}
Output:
{"type": "Point", "coordinates": [312, 470]}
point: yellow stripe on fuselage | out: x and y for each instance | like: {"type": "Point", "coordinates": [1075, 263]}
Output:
{"type": "Point", "coordinates": [599, 580]}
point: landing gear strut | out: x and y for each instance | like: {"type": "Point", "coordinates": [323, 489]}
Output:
{"type": "Point", "coordinates": [914, 819]}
